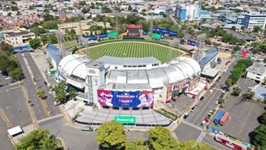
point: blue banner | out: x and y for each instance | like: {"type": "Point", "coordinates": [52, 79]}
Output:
{"type": "Point", "coordinates": [172, 33]}
{"type": "Point", "coordinates": [125, 99]}
{"type": "Point", "coordinates": [164, 31]}
{"type": "Point", "coordinates": [192, 43]}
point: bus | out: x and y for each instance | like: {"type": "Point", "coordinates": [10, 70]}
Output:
{"type": "Point", "coordinates": [230, 143]}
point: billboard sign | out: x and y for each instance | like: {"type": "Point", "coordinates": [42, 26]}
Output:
{"type": "Point", "coordinates": [192, 43]}
{"type": "Point", "coordinates": [126, 119]}
{"type": "Point", "coordinates": [156, 36]}
{"type": "Point", "coordinates": [164, 31]}
{"type": "Point", "coordinates": [156, 30]}
{"type": "Point", "coordinates": [103, 35]}
{"type": "Point", "coordinates": [125, 99]}
{"type": "Point", "coordinates": [172, 33]}
{"type": "Point", "coordinates": [112, 34]}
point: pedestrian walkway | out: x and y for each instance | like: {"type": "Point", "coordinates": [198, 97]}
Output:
{"type": "Point", "coordinates": [201, 136]}
{"type": "Point", "coordinates": [50, 118]}
{"type": "Point", "coordinates": [192, 125]}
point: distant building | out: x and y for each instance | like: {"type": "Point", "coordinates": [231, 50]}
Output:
{"type": "Point", "coordinates": [252, 20]}
{"type": "Point", "coordinates": [190, 12]}
{"type": "Point", "coordinates": [133, 30]}
{"type": "Point", "coordinates": [18, 38]}
{"type": "Point", "coordinates": [257, 71]}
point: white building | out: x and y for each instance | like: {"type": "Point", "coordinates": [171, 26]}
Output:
{"type": "Point", "coordinates": [257, 71]}
{"type": "Point", "coordinates": [128, 75]}
{"type": "Point", "coordinates": [254, 19]}
{"type": "Point", "coordinates": [18, 38]}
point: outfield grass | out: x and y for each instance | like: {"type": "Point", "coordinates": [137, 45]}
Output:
{"type": "Point", "coordinates": [131, 49]}
{"type": "Point", "coordinates": [70, 44]}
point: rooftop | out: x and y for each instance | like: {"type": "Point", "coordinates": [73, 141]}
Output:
{"type": "Point", "coordinates": [240, 36]}
{"type": "Point", "coordinates": [257, 67]}
{"type": "Point", "coordinates": [209, 55]}
{"type": "Point", "coordinates": [18, 33]}
{"type": "Point", "coordinates": [128, 61]}
{"type": "Point", "coordinates": [54, 52]}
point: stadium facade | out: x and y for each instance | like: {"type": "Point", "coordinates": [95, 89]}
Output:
{"type": "Point", "coordinates": [128, 82]}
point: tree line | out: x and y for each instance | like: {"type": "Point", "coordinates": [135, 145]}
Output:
{"type": "Point", "coordinates": [111, 135]}
{"type": "Point", "coordinates": [8, 63]}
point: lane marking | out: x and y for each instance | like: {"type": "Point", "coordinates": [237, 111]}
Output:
{"type": "Point", "coordinates": [205, 106]}
{"type": "Point", "coordinates": [5, 118]}
{"type": "Point", "coordinates": [249, 112]}
{"type": "Point", "coordinates": [192, 125]}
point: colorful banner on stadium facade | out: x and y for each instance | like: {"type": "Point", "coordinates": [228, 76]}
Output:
{"type": "Point", "coordinates": [125, 99]}
{"type": "Point", "coordinates": [169, 93]}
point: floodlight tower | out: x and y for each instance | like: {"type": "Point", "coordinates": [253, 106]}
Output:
{"type": "Point", "coordinates": [61, 40]}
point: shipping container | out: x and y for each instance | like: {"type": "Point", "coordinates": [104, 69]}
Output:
{"type": "Point", "coordinates": [218, 117]}
{"type": "Point", "coordinates": [224, 118]}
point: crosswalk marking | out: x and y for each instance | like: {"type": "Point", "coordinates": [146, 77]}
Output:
{"type": "Point", "coordinates": [192, 125]}
{"type": "Point", "coordinates": [201, 136]}
{"type": "Point", "coordinates": [50, 118]}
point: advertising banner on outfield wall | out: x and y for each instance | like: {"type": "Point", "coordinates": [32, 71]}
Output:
{"type": "Point", "coordinates": [125, 99]}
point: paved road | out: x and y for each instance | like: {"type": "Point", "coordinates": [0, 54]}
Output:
{"type": "Point", "coordinates": [4, 140]}
{"type": "Point", "coordinates": [12, 102]}
{"type": "Point", "coordinates": [186, 132]}
{"type": "Point", "coordinates": [210, 141]}
{"type": "Point", "coordinates": [40, 83]}
{"type": "Point", "coordinates": [31, 89]}
{"type": "Point", "coordinates": [209, 100]}
{"type": "Point", "coordinates": [74, 139]}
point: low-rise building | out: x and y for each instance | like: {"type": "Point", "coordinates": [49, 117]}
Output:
{"type": "Point", "coordinates": [254, 19]}
{"type": "Point", "coordinates": [257, 71]}
{"type": "Point", "coordinates": [18, 38]}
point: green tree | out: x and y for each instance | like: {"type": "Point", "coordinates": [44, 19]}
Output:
{"type": "Point", "coordinates": [249, 94]}
{"type": "Point", "coordinates": [72, 92]}
{"type": "Point", "coordinates": [262, 118]}
{"type": "Point", "coordinates": [256, 29]}
{"type": "Point", "coordinates": [35, 43]}
{"type": "Point", "coordinates": [221, 101]}
{"type": "Point", "coordinates": [130, 8]}
{"type": "Point", "coordinates": [38, 139]}
{"type": "Point", "coordinates": [236, 91]}
{"type": "Point", "coordinates": [16, 74]}
{"type": "Point", "coordinates": [258, 136]}
{"type": "Point", "coordinates": [136, 145]}
{"type": "Point", "coordinates": [50, 25]}
{"type": "Point", "coordinates": [229, 82]}
{"type": "Point", "coordinates": [192, 145]}
{"type": "Point", "coordinates": [264, 81]}
{"type": "Point", "coordinates": [161, 138]}
{"type": "Point", "coordinates": [111, 135]}
{"type": "Point", "coordinates": [41, 93]}
{"type": "Point", "coordinates": [38, 31]}
{"type": "Point", "coordinates": [236, 48]}
{"type": "Point", "coordinates": [6, 48]}
{"type": "Point", "coordinates": [59, 89]}
{"type": "Point", "coordinates": [233, 28]}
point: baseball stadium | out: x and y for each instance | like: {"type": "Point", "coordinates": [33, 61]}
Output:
{"type": "Point", "coordinates": [128, 78]}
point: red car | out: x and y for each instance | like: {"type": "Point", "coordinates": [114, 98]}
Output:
{"type": "Point", "coordinates": [227, 62]}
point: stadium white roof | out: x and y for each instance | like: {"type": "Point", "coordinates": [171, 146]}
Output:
{"type": "Point", "coordinates": [175, 71]}
{"type": "Point", "coordinates": [74, 65]}
{"type": "Point", "coordinates": [127, 61]}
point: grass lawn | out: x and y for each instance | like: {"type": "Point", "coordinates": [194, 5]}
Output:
{"type": "Point", "coordinates": [131, 49]}
{"type": "Point", "coordinates": [70, 44]}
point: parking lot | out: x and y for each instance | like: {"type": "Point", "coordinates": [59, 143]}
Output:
{"type": "Point", "coordinates": [243, 114]}
{"type": "Point", "coordinates": [13, 105]}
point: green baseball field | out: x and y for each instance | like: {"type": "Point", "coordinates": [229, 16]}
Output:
{"type": "Point", "coordinates": [132, 49]}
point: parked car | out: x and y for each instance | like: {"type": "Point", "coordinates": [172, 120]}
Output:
{"type": "Point", "coordinates": [202, 98]}
{"type": "Point", "coordinates": [227, 62]}
{"type": "Point", "coordinates": [186, 115]}
{"type": "Point", "coordinates": [193, 108]}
